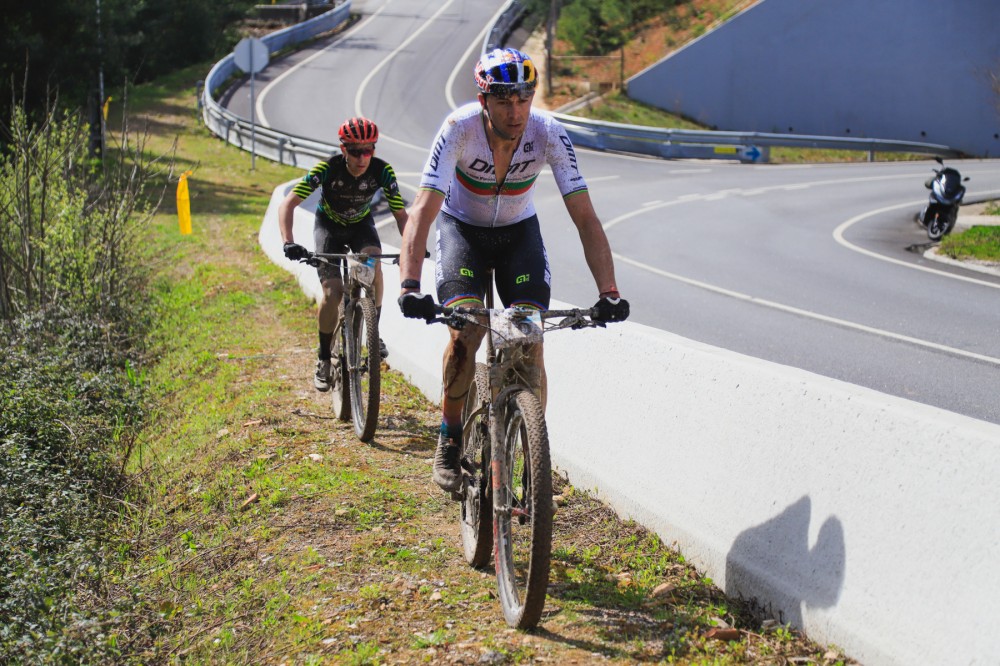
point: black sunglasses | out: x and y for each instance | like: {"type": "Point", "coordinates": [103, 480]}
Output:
{"type": "Point", "coordinates": [359, 152]}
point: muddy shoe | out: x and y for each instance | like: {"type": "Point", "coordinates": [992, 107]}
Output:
{"type": "Point", "coordinates": [447, 471]}
{"type": "Point", "coordinates": [383, 351]}
{"type": "Point", "coordinates": [321, 380]}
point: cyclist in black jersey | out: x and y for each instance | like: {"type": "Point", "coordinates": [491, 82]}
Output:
{"type": "Point", "coordinates": [349, 182]}
{"type": "Point", "coordinates": [478, 184]}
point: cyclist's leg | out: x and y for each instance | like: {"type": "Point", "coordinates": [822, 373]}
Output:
{"type": "Point", "coordinates": [460, 282]}
{"type": "Point", "coordinates": [460, 274]}
{"type": "Point", "coordinates": [523, 279]}
{"type": "Point", "coordinates": [329, 238]}
{"type": "Point", "coordinates": [329, 305]}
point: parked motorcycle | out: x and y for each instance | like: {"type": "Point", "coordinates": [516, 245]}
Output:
{"type": "Point", "coordinates": [939, 215]}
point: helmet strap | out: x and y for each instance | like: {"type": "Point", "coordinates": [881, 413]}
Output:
{"type": "Point", "coordinates": [486, 115]}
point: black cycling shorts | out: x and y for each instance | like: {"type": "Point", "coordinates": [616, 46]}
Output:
{"type": "Point", "coordinates": [516, 254]}
{"type": "Point", "coordinates": [333, 238]}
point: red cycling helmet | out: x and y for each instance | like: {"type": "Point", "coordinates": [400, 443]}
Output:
{"type": "Point", "coordinates": [358, 130]}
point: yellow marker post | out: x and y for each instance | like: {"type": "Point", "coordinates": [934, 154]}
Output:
{"type": "Point", "coordinates": [184, 204]}
{"type": "Point", "coordinates": [106, 103]}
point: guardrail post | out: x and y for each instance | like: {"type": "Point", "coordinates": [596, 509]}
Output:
{"type": "Point", "coordinates": [871, 155]}
{"type": "Point", "coordinates": [281, 150]}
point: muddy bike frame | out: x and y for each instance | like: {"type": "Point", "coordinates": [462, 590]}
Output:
{"type": "Point", "coordinates": [506, 493]}
{"type": "Point", "coordinates": [356, 361]}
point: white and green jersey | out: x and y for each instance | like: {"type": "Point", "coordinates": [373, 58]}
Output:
{"type": "Point", "coordinates": [460, 167]}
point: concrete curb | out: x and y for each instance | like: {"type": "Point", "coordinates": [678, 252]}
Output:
{"type": "Point", "coordinates": [963, 223]}
{"type": "Point", "coordinates": [869, 521]}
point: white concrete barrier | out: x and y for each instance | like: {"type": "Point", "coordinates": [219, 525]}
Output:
{"type": "Point", "coordinates": [869, 521]}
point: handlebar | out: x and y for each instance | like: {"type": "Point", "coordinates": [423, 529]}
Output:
{"type": "Point", "coordinates": [575, 318]}
{"type": "Point", "coordinates": [316, 258]}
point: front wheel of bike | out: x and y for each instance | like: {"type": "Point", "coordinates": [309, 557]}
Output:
{"type": "Point", "coordinates": [477, 501]}
{"type": "Point", "coordinates": [522, 501]}
{"type": "Point", "coordinates": [364, 366]}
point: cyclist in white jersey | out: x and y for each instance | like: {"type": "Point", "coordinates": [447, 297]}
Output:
{"type": "Point", "coordinates": [478, 183]}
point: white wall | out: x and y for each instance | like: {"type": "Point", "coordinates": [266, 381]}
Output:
{"type": "Point", "coordinates": [909, 70]}
{"type": "Point", "coordinates": [870, 521]}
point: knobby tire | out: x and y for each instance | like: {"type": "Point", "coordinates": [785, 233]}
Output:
{"type": "Point", "coordinates": [477, 503]}
{"type": "Point", "coordinates": [522, 498]}
{"type": "Point", "coordinates": [363, 367]}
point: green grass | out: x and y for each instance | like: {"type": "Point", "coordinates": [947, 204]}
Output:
{"type": "Point", "coordinates": [979, 242]}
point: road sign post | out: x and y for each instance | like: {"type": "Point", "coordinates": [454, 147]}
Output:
{"type": "Point", "coordinates": [251, 55]}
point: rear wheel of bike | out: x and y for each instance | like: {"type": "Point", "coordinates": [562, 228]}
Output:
{"type": "Point", "coordinates": [339, 381]}
{"type": "Point", "coordinates": [363, 366]}
{"type": "Point", "coordinates": [522, 498]}
{"type": "Point", "coordinates": [477, 503]}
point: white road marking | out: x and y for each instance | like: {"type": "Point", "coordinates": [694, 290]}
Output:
{"type": "Point", "coordinates": [806, 313]}
{"type": "Point", "coordinates": [375, 70]}
{"type": "Point", "coordinates": [715, 196]}
{"type": "Point", "coordinates": [838, 235]}
{"type": "Point", "coordinates": [262, 118]}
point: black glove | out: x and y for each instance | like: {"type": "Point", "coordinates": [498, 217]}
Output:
{"type": "Point", "coordinates": [294, 251]}
{"type": "Point", "coordinates": [610, 309]}
{"type": "Point", "coordinates": [415, 305]}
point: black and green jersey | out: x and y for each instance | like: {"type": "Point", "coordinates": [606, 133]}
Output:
{"type": "Point", "coordinates": [346, 199]}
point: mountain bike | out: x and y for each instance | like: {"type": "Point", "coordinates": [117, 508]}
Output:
{"type": "Point", "coordinates": [506, 495]}
{"type": "Point", "coordinates": [355, 359]}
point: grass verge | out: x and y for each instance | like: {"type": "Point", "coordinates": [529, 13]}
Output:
{"type": "Point", "coordinates": [981, 243]}
{"type": "Point", "coordinates": [271, 535]}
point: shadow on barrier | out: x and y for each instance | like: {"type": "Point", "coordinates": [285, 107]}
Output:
{"type": "Point", "coordinates": [809, 577]}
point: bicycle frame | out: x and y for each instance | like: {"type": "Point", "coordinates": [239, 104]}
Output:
{"type": "Point", "coordinates": [357, 268]}
{"type": "Point", "coordinates": [356, 381]}
{"type": "Point", "coordinates": [505, 456]}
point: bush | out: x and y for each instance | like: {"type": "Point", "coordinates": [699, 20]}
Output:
{"type": "Point", "coordinates": [70, 412]}
{"type": "Point", "coordinates": [597, 27]}
{"type": "Point", "coordinates": [69, 223]}
{"type": "Point", "coordinates": [74, 317]}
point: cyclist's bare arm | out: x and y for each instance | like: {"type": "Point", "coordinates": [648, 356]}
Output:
{"type": "Point", "coordinates": [401, 218]}
{"type": "Point", "coordinates": [596, 248]}
{"type": "Point", "coordinates": [286, 216]}
{"type": "Point", "coordinates": [422, 215]}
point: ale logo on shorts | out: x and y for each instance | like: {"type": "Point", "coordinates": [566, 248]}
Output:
{"type": "Point", "coordinates": [466, 272]}
{"type": "Point", "coordinates": [521, 279]}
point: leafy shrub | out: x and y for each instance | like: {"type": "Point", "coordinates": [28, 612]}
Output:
{"type": "Point", "coordinates": [69, 224]}
{"type": "Point", "coordinates": [70, 413]}
{"type": "Point", "coordinates": [74, 316]}
{"type": "Point", "coordinates": [596, 27]}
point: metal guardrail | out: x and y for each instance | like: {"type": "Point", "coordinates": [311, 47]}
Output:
{"type": "Point", "coordinates": [744, 146]}
{"type": "Point", "coordinates": [750, 147]}
{"type": "Point", "coordinates": [277, 146]}
{"type": "Point", "coordinates": [505, 24]}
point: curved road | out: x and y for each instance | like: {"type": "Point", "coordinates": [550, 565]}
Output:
{"type": "Point", "coordinates": [806, 266]}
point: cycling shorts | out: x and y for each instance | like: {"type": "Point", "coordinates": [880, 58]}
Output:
{"type": "Point", "coordinates": [516, 253]}
{"type": "Point", "coordinates": [333, 238]}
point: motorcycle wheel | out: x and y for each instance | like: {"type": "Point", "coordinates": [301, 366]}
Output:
{"type": "Point", "coordinates": [950, 224]}
{"type": "Point", "coordinates": [936, 228]}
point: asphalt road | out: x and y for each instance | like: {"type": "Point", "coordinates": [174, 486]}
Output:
{"type": "Point", "coordinates": [810, 266]}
